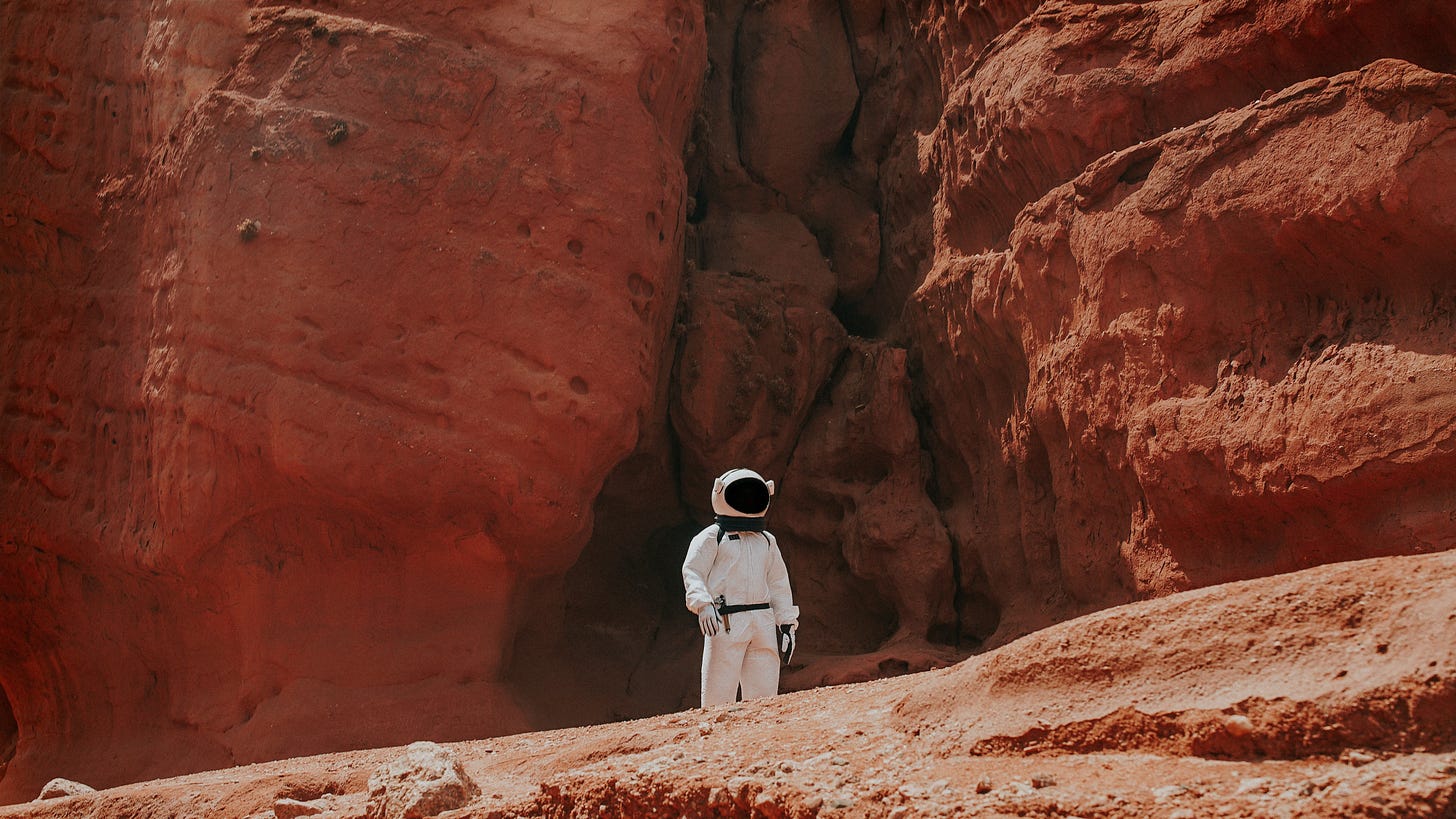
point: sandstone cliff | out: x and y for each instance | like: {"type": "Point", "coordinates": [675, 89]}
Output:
{"type": "Point", "coordinates": [325, 326]}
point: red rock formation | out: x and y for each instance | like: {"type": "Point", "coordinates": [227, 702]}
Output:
{"type": "Point", "coordinates": [854, 496]}
{"type": "Point", "coordinates": [1075, 81]}
{"type": "Point", "coordinates": [1223, 353]}
{"type": "Point", "coordinates": [856, 487]}
{"type": "Point", "coordinates": [752, 362]}
{"type": "Point", "coordinates": [288, 430]}
{"type": "Point", "coordinates": [368, 364]}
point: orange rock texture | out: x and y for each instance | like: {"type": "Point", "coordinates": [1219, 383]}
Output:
{"type": "Point", "coordinates": [324, 327]}
{"type": "Point", "coordinates": [368, 363]}
{"type": "Point", "coordinates": [1200, 342]}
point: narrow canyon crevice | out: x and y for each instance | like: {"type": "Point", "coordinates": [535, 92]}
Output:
{"type": "Point", "coordinates": [807, 126]}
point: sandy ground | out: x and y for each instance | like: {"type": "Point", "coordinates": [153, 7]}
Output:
{"type": "Point", "coordinates": [1326, 714]}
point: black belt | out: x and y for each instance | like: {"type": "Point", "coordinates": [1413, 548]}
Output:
{"type": "Point", "coordinates": [748, 607]}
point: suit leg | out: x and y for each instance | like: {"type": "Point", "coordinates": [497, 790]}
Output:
{"type": "Point", "coordinates": [722, 667]}
{"type": "Point", "coordinates": [761, 660]}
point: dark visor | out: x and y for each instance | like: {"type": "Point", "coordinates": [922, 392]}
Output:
{"type": "Point", "coordinates": [749, 496]}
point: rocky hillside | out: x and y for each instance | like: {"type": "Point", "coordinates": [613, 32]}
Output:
{"type": "Point", "coordinates": [368, 363]}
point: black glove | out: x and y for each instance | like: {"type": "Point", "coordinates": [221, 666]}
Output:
{"type": "Point", "coordinates": [786, 643]}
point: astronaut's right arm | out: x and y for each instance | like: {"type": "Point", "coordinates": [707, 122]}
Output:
{"type": "Point", "coordinates": [701, 554]}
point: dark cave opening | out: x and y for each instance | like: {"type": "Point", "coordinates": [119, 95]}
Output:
{"type": "Point", "coordinates": [9, 732]}
{"type": "Point", "coordinates": [857, 319]}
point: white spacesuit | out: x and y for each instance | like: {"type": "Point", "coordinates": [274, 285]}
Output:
{"type": "Point", "coordinates": [736, 583]}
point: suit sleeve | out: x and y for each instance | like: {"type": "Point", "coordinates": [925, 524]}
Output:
{"type": "Point", "coordinates": [701, 554]}
{"type": "Point", "coordinates": [780, 595]}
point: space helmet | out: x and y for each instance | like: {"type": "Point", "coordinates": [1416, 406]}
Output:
{"type": "Point", "coordinates": [741, 493]}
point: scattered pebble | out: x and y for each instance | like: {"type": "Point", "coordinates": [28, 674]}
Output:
{"type": "Point", "coordinates": [983, 786]}
{"type": "Point", "coordinates": [1043, 780]}
{"type": "Point", "coordinates": [1255, 785]}
{"type": "Point", "coordinates": [838, 760]}
{"type": "Point", "coordinates": [293, 809]}
{"type": "Point", "coordinates": [1355, 758]}
{"type": "Point", "coordinates": [1238, 725]}
{"type": "Point", "coordinates": [1168, 792]}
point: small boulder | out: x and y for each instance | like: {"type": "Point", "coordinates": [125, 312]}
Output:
{"type": "Point", "coordinates": [57, 788]}
{"type": "Point", "coordinates": [1356, 758]}
{"type": "Point", "coordinates": [426, 780]}
{"type": "Point", "coordinates": [1238, 725]}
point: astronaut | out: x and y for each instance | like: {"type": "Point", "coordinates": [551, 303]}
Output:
{"type": "Point", "coordinates": [738, 587]}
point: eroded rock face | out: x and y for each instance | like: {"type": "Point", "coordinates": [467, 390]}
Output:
{"type": "Point", "coordinates": [752, 362]}
{"type": "Point", "coordinates": [1219, 354]}
{"type": "Point", "coordinates": [797, 93]}
{"type": "Point", "coordinates": [856, 492]}
{"type": "Point", "coordinates": [1072, 82]}
{"type": "Point", "coordinates": [316, 418]}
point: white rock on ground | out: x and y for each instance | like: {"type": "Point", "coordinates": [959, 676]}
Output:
{"type": "Point", "coordinates": [426, 780]}
{"type": "Point", "coordinates": [57, 788]}
{"type": "Point", "coordinates": [295, 808]}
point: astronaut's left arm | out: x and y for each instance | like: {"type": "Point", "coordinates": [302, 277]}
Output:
{"type": "Point", "coordinates": [780, 594]}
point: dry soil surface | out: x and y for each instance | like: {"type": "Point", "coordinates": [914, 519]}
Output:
{"type": "Point", "coordinates": [1326, 692]}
